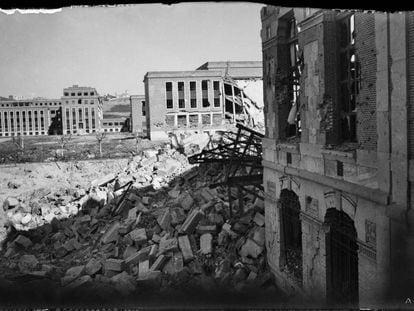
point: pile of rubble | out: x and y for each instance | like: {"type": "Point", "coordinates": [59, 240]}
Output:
{"type": "Point", "coordinates": [156, 224]}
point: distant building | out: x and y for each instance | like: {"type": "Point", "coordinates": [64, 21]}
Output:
{"type": "Point", "coordinates": [138, 115]}
{"type": "Point", "coordinates": [208, 99]}
{"type": "Point", "coordinates": [28, 117]}
{"type": "Point", "coordinates": [82, 110]}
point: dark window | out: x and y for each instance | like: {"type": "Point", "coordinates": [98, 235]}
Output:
{"type": "Point", "coordinates": [339, 168]}
{"type": "Point", "coordinates": [168, 90]}
{"type": "Point", "coordinates": [66, 94]}
{"type": "Point", "coordinates": [72, 94]}
{"type": "Point", "coordinates": [294, 124]}
{"type": "Point", "coordinates": [85, 94]}
{"type": "Point", "coordinates": [193, 94]}
{"type": "Point", "coordinates": [216, 88]}
{"type": "Point", "coordinates": [204, 90]}
{"type": "Point", "coordinates": [92, 93]}
{"type": "Point", "coordinates": [143, 107]}
{"type": "Point", "coordinates": [288, 158]}
{"type": "Point", "coordinates": [181, 103]}
{"type": "Point", "coordinates": [349, 78]}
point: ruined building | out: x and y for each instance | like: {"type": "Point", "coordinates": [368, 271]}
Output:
{"type": "Point", "coordinates": [209, 99]}
{"type": "Point", "coordinates": [338, 149]}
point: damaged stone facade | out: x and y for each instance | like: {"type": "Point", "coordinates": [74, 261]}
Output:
{"type": "Point", "coordinates": [211, 98]}
{"type": "Point", "coordinates": [347, 162]}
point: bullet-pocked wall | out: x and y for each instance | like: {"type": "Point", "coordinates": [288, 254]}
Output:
{"type": "Point", "coordinates": [332, 182]}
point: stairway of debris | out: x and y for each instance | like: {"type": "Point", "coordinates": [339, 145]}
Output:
{"type": "Point", "coordinates": [154, 225]}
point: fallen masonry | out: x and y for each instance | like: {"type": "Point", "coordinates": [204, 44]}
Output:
{"type": "Point", "coordinates": [171, 231]}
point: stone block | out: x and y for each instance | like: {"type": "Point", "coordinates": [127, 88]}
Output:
{"type": "Point", "coordinates": [251, 249]}
{"type": "Point", "coordinates": [112, 234]}
{"type": "Point", "coordinates": [72, 274]}
{"type": "Point", "coordinates": [93, 266]}
{"type": "Point", "coordinates": [143, 268]}
{"type": "Point", "coordinates": [139, 256]}
{"type": "Point", "coordinates": [206, 246]}
{"type": "Point", "coordinates": [191, 222]}
{"type": "Point", "coordinates": [259, 236]}
{"type": "Point", "coordinates": [259, 219]}
{"type": "Point", "coordinates": [10, 202]}
{"type": "Point", "coordinates": [23, 241]}
{"type": "Point", "coordinates": [159, 263]}
{"type": "Point", "coordinates": [167, 245]}
{"type": "Point", "coordinates": [139, 236]}
{"type": "Point", "coordinates": [206, 229]}
{"type": "Point", "coordinates": [164, 220]}
{"type": "Point", "coordinates": [185, 248]}
{"type": "Point", "coordinates": [113, 264]}
{"type": "Point", "coordinates": [153, 252]}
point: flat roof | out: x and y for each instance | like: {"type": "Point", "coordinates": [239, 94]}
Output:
{"type": "Point", "coordinates": [183, 74]}
{"type": "Point", "coordinates": [236, 70]}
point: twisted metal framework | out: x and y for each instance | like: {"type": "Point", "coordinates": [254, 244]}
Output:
{"type": "Point", "coordinates": [241, 152]}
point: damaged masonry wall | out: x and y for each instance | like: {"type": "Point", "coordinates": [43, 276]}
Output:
{"type": "Point", "coordinates": [348, 165]}
{"type": "Point", "coordinates": [208, 99]}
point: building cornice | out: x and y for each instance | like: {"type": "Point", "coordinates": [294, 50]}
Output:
{"type": "Point", "coordinates": [369, 194]}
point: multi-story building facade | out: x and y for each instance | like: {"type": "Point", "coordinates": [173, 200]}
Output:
{"type": "Point", "coordinates": [28, 117]}
{"type": "Point", "coordinates": [82, 110]}
{"type": "Point", "coordinates": [338, 149]}
{"type": "Point", "coordinates": [202, 100]}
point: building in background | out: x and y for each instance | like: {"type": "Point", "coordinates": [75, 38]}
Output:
{"type": "Point", "coordinates": [29, 117]}
{"type": "Point", "coordinates": [138, 122]}
{"type": "Point", "coordinates": [204, 100]}
{"type": "Point", "coordinates": [338, 149]}
{"type": "Point", "coordinates": [82, 110]}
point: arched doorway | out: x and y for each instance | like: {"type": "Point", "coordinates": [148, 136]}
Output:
{"type": "Point", "coordinates": [290, 234]}
{"type": "Point", "coordinates": [341, 258]}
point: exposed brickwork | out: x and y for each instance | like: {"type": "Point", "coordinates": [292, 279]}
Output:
{"type": "Point", "coordinates": [366, 102]}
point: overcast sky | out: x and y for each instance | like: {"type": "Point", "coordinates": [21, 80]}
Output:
{"type": "Point", "coordinates": [111, 48]}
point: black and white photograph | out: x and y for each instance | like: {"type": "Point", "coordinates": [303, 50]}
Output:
{"type": "Point", "coordinates": [206, 156]}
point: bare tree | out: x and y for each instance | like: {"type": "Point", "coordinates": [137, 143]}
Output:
{"type": "Point", "coordinates": [18, 141]}
{"type": "Point", "coordinates": [100, 136]}
{"type": "Point", "coordinates": [63, 140]}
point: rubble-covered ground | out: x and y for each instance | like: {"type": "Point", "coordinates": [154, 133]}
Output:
{"type": "Point", "coordinates": [149, 233]}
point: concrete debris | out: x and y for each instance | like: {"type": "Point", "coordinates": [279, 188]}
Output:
{"type": "Point", "coordinates": [10, 203]}
{"type": "Point", "coordinates": [113, 264]}
{"type": "Point", "coordinates": [23, 241]}
{"type": "Point", "coordinates": [191, 222]}
{"type": "Point", "coordinates": [206, 243]}
{"type": "Point", "coordinates": [93, 266]}
{"type": "Point", "coordinates": [171, 228]}
{"type": "Point", "coordinates": [112, 234]}
{"type": "Point", "coordinates": [185, 248]}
